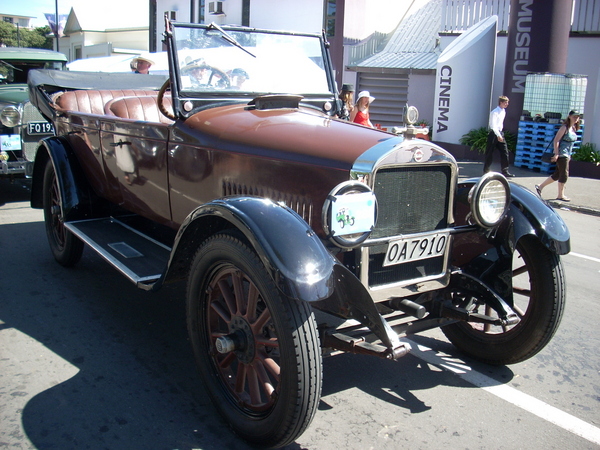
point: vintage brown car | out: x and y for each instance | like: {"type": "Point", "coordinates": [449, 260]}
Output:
{"type": "Point", "coordinates": [299, 234]}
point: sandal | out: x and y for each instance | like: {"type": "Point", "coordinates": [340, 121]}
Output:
{"type": "Point", "coordinates": [564, 199]}
{"type": "Point", "coordinates": [538, 190]}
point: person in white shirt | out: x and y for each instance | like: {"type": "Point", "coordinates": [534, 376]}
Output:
{"type": "Point", "coordinates": [496, 138]}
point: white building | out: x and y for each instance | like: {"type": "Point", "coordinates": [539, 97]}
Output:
{"type": "Point", "coordinates": [93, 32]}
{"type": "Point", "coordinates": [21, 21]}
{"type": "Point", "coordinates": [389, 47]}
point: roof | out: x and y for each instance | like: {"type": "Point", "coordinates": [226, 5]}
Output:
{"type": "Point", "coordinates": [30, 54]}
{"type": "Point", "coordinates": [99, 19]}
{"type": "Point", "coordinates": [415, 42]}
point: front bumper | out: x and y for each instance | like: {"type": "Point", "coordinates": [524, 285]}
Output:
{"type": "Point", "coordinates": [19, 168]}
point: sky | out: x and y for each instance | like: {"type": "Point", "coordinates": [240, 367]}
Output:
{"type": "Point", "coordinates": [37, 8]}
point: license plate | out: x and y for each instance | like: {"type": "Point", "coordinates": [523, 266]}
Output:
{"type": "Point", "coordinates": [39, 128]}
{"type": "Point", "coordinates": [415, 248]}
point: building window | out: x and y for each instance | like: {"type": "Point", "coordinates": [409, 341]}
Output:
{"type": "Point", "coordinates": [8, 19]}
{"type": "Point", "coordinates": [201, 6]}
{"type": "Point", "coordinates": [329, 17]}
{"type": "Point", "coordinates": [215, 7]}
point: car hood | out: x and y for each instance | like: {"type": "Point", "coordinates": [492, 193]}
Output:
{"type": "Point", "coordinates": [14, 93]}
{"type": "Point", "coordinates": [293, 131]}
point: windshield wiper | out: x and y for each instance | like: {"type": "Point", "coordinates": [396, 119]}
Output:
{"type": "Point", "coordinates": [10, 66]}
{"type": "Point", "coordinates": [228, 37]}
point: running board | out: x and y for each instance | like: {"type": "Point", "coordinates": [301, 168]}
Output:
{"type": "Point", "coordinates": [138, 257]}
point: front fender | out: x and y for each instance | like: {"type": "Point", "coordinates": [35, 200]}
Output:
{"type": "Point", "coordinates": [487, 255]}
{"type": "Point", "coordinates": [297, 260]}
{"type": "Point", "coordinates": [543, 220]}
{"type": "Point", "coordinates": [529, 215]}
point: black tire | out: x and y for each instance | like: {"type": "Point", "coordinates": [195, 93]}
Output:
{"type": "Point", "coordinates": [539, 298]}
{"type": "Point", "coordinates": [277, 365]}
{"type": "Point", "coordinates": [65, 246]}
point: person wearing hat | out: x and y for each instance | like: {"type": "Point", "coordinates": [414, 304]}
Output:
{"type": "Point", "coordinates": [347, 98]}
{"type": "Point", "coordinates": [238, 78]}
{"type": "Point", "coordinates": [142, 65]}
{"type": "Point", "coordinates": [563, 149]}
{"type": "Point", "coordinates": [360, 114]}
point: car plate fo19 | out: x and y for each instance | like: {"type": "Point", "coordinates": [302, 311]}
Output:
{"type": "Point", "coordinates": [39, 128]}
{"type": "Point", "coordinates": [415, 248]}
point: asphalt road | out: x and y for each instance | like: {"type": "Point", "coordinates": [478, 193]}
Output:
{"type": "Point", "coordinates": [87, 361]}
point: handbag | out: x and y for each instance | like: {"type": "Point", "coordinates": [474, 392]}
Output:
{"type": "Point", "coordinates": [548, 153]}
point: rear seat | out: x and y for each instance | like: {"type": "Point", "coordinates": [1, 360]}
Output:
{"type": "Point", "coordinates": [143, 108]}
{"type": "Point", "coordinates": [93, 101]}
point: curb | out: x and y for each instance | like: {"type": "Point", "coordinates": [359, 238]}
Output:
{"type": "Point", "coordinates": [556, 204]}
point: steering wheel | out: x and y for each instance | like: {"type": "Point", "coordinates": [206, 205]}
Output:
{"type": "Point", "coordinates": [160, 100]}
{"type": "Point", "coordinates": [223, 81]}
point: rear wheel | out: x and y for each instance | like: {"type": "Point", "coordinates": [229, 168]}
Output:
{"type": "Point", "coordinates": [539, 293]}
{"type": "Point", "coordinates": [257, 352]}
{"type": "Point", "coordinates": [66, 247]}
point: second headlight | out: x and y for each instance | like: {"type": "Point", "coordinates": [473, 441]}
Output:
{"type": "Point", "coordinates": [489, 199]}
{"type": "Point", "coordinates": [10, 116]}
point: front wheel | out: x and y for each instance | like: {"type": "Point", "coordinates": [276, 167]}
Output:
{"type": "Point", "coordinates": [258, 352]}
{"type": "Point", "coordinates": [65, 246]}
{"type": "Point", "coordinates": [539, 293]}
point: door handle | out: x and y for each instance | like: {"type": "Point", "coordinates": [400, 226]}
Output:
{"type": "Point", "coordinates": [120, 143]}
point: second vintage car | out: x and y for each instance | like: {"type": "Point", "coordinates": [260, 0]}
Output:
{"type": "Point", "coordinates": [21, 125]}
{"type": "Point", "coordinates": [299, 234]}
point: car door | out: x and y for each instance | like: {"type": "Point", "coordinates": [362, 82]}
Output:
{"type": "Point", "coordinates": [135, 160]}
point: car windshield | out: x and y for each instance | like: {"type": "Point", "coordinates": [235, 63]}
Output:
{"type": "Point", "coordinates": [14, 71]}
{"type": "Point", "coordinates": [247, 61]}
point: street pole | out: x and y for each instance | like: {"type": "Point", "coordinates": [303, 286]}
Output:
{"type": "Point", "coordinates": [56, 23]}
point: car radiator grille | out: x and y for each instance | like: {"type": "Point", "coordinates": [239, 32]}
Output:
{"type": "Point", "coordinates": [409, 200]}
{"type": "Point", "coordinates": [30, 114]}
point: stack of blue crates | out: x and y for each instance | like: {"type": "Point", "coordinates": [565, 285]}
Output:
{"type": "Point", "coordinates": [532, 140]}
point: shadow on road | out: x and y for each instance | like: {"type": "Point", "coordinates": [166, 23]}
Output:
{"type": "Point", "coordinates": [135, 383]}
{"type": "Point", "coordinates": [17, 190]}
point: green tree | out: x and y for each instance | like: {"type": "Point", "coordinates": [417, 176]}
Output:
{"type": "Point", "coordinates": [39, 37]}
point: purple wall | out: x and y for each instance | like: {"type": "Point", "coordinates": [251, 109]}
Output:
{"type": "Point", "coordinates": [538, 38]}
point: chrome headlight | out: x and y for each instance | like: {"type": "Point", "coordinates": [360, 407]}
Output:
{"type": "Point", "coordinates": [489, 199]}
{"type": "Point", "coordinates": [10, 116]}
{"type": "Point", "coordinates": [349, 214]}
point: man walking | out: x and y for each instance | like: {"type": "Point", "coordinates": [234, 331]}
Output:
{"type": "Point", "coordinates": [496, 138]}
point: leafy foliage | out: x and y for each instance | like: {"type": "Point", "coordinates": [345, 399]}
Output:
{"type": "Point", "coordinates": [11, 36]}
{"type": "Point", "coordinates": [477, 139]}
{"type": "Point", "coordinates": [587, 153]}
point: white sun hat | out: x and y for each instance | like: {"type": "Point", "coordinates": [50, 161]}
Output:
{"type": "Point", "coordinates": [362, 94]}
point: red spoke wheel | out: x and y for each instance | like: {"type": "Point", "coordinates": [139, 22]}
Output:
{"type": "Point", "coordinates": [258, 352]}
{"type": "Point", "coordinates": [539, 293]}
{"type": "Point", "coordinates": [65, 246]}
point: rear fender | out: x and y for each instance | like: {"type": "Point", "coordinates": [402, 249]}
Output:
{"type": "Point", "coordinates": [75, 192]}
{"type": "Point", "coordinates": [296, 259]}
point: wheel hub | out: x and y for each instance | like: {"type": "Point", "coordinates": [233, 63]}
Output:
{"type": "Point", "coordinates": [240, 340]}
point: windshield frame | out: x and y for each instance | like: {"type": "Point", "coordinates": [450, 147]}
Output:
{"type": "Point", "coordinates": [186, 101]}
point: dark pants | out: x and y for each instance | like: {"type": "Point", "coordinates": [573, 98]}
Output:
{"type": "Point", "coordinates": [493, 144]}
{"type": "Point", "coordinates": [561, 174]}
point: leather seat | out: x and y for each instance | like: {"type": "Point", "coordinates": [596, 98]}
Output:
{"type": "Point", "coordinates": [93, 101]}
{"type": "Point", "coordinates": [144, 108]}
